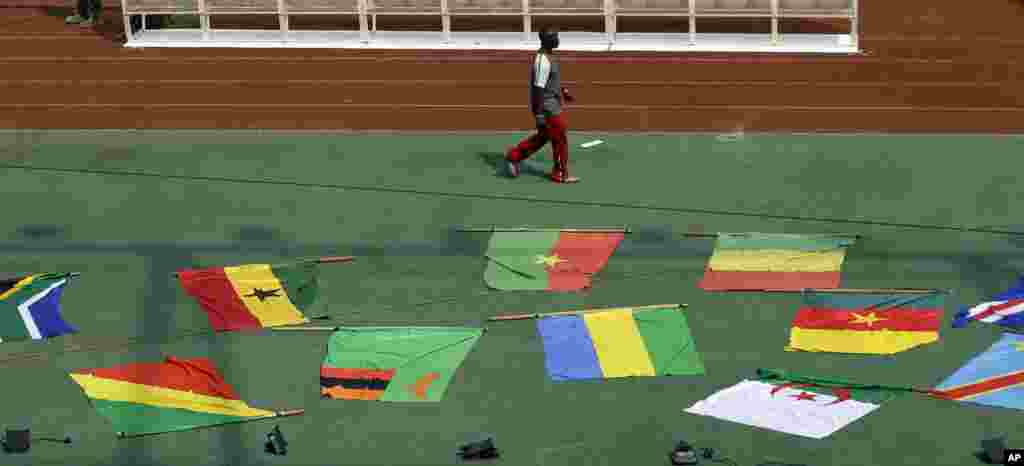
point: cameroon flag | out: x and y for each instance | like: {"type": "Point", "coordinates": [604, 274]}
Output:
{"type": "Point", "coordinates": [866, 323]}
{"type": "Point", "coordinates": [547, 260]}
{"type": "Point", "coordinates": [253, 295]}
{"type": "Point", "coordinates": [169, 396]}
{"type": "Point", "coordinates": [762, 261]}
{"type": "Point", "coordinates": [394, 363]}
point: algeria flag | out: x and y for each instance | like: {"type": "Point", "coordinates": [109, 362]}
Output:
{"type": "Point", "coordinates": [801, 409]}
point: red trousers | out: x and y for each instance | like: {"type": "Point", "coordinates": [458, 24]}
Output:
{"type": "Point", "coordinates": [556, 131]}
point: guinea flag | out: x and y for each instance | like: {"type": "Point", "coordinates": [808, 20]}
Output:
{"type": "Point", "coordinates": [762, 261]}
{"type": "Point", "coordinates": [253, 295]}
{"type": "Point", "coordinates": [394, 363]}
{"type": "Point", "coordinates": [866, 323]}
{"type": "Point", "coordinates": [173, 395]}
{"type": "Point", "coordinates": [547, 260]}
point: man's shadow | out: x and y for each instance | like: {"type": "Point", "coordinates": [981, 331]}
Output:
{"type": "Point", "coordinates": [496, 160]}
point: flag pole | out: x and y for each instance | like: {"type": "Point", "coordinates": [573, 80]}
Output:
{"type": "Point", "coordinates": [586, 311]}
{"type": "Point", "coordinates": [292, 412]}
{"type": "Point", "coordinates": [493, 229]}
{"type": "Point", "coordinates": [768, 374]}
{"type": "Point", "coordinates": [319, 260]}
{"type": "Point", "coordinates": [822, 235]}
{"type": "Point", "coordinates": [858, 290]}
{"type": "Point", "coordinates": [322, 329]}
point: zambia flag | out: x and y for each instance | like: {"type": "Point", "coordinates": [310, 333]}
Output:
{"type": "Point", "coordinates": [866, 323]}
{"type": "Point", "coordinates": [762, 261]}
{"type": "Point", "coordinates": [174, 395]}
{"type": "Point", "coordinates": [30, 307]}
{"type": "Point", "coordinates": [619, 343]}
{"type": "Point", "coordinates": [394, 363]}
{"type": "Point", "coordinates": [253, 295]}
{"type": "Point", "coordinates": [993, 378]}
{"type": "Point", "coordinates": [547, 260]}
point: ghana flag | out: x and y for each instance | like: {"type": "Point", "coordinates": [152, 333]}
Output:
{"type": "Point", "coordinates": [622, 342]}
{"type": "Point", "coordinates": [394, 363]}
{"type": "Point", "coordinates": [866, 323]}
{"type": "Point", "coordinates": [993, 378]}
{"type": "Point", "coordinates": [253, 295]}
{"type": "Point", "coordinates": [30, 307]}
{"type": "Point", "coordinates": [169, 396]}
{"type": "Point", "coordinates": [547, 260]}
{"type": "Point", "coordinates": [762, 261]}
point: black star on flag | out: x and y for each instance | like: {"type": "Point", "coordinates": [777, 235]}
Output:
{"type": "Point", "coordinates": [262, 295]}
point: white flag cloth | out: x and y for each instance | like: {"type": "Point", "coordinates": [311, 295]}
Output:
{"type": "Point", "coordinates": [782, 408]}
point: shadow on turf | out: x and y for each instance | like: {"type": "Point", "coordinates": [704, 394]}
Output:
{"type": "Point", "coordinates": [496, 160]}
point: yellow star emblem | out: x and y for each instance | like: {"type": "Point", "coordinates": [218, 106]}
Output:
{"type": "Point", "coordinates": [869, 319]}
{"type": "Point", "coordinates": [550, 261]}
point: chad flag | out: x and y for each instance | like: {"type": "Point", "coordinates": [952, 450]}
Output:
{"type": "Point", "coordinates": [253, 295]}
{"type": "Point", "coordinates": [866, 323]}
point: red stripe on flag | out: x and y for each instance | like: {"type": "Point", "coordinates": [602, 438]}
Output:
{"type": "Point", "coordinates": [983, 386]}
{"type": "Point", "coordinates": [195, 375]}
{"type": "Point", "coordinates": [995, 308]}
{"type": "Point", "coordinates": [217, 296]}
{"type": "Point", "coordinates": [351, 373]}
{"type": "Point", "coordinates": [715, 280]}
{"type": "Point", "coordinates": [920, 320]}
{"type": "Point", "coordinates": [585, 254]}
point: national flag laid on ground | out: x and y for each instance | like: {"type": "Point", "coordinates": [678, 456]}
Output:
{"type": "Point", "coordinates": [253, 295]}
{"type": "Point", "coordinates": [761, 261]}
{"type": "Point", "coordinates": [866, 323]}
{"type": "Point", "coordinates": [547, 260]}
{"type": "Point", "coordinates": [1006, 309]}
{"type": "Point", "coordinates": [994, 378]}
{"type": "Point", "coordinates": [814, 410]}
{"type": "Point", "coordinates": [30, 307]}
{"type": "Point", "coordinates": [169, 396]}
{"type": "Point", "coordinates": [619, 343]}
{"type": "Point", "coordinates": [394, 363]}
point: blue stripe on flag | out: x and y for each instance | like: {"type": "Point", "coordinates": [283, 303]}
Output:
{"type": "Point", "coordinates": [568, 349]}
{"type": "Point", "coordinates": [44, 310]}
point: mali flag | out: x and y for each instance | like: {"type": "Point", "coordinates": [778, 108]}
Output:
{"type": "Point", "coordinates": [762, 261]}
{"type": "Point", "coordinates": [394, 363]}
{"type": "Point", "coordinates": [619, 343]}
{"type": "Point", "coordinates": [547, 260]}
{"type": "Point", "coordinates": [993, 378]}
{"type": "Point", "coordinates": [169, 396]}
{"type": "Point", "coordinates": [30, 307]}
{"type": "Point", "coordinates": [866, 323]}
{"type": "Point", "coordinates": [253, 295]}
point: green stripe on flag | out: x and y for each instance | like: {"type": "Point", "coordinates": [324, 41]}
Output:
{"type": "Point", "coordinates": [878, 301]}
{"type": "Point", "coordinates": [136, 418]}
{"type": "Point", "coordinates": [668, 341]}
{"type": "Point", "coordinates": [781, 241]}
{"type": "Point", "coordinates": [300, 281]}
{"type": "Point", "coordinates": [513, 263]}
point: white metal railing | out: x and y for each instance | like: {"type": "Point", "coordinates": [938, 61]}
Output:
{"type": "Point", "coordinates": [367, 12]}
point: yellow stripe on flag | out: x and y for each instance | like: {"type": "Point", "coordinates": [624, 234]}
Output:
{"type": "Point", "coordinates": [776, 260]}
{"type": "Point", "coordinates": [17, 286]}
{"type": "Point", "coordinates": [119, 390]}
{"type": "Point", "coordinates": [271, 310]}
{"type": "Point", "coordinates": [620, 348]}
{"type": "Point", "coordinates": [856, 341]}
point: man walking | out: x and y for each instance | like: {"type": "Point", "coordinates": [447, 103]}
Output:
{"type": "Point", "coordinates": [89, 12]}
{"type": "Point", "coordinates": [546, 95]}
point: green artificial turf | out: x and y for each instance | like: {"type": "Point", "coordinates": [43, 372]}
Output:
{"type": "Point", "coordinates": [207, 199]}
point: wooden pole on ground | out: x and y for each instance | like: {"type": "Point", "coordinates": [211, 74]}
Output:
{"type": "Point", "coordinates": [859, 290]}
{"type": "Point", "coordinates": [825, 235]}
{"type": "Point", "coordinates": [493, 229]}
{"type": "Point", "coordinates": [586, 311]}
{"type": "Point", "coordinates": [320, 260]}
{"type": "Point", "coordinates": [292, 412]}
